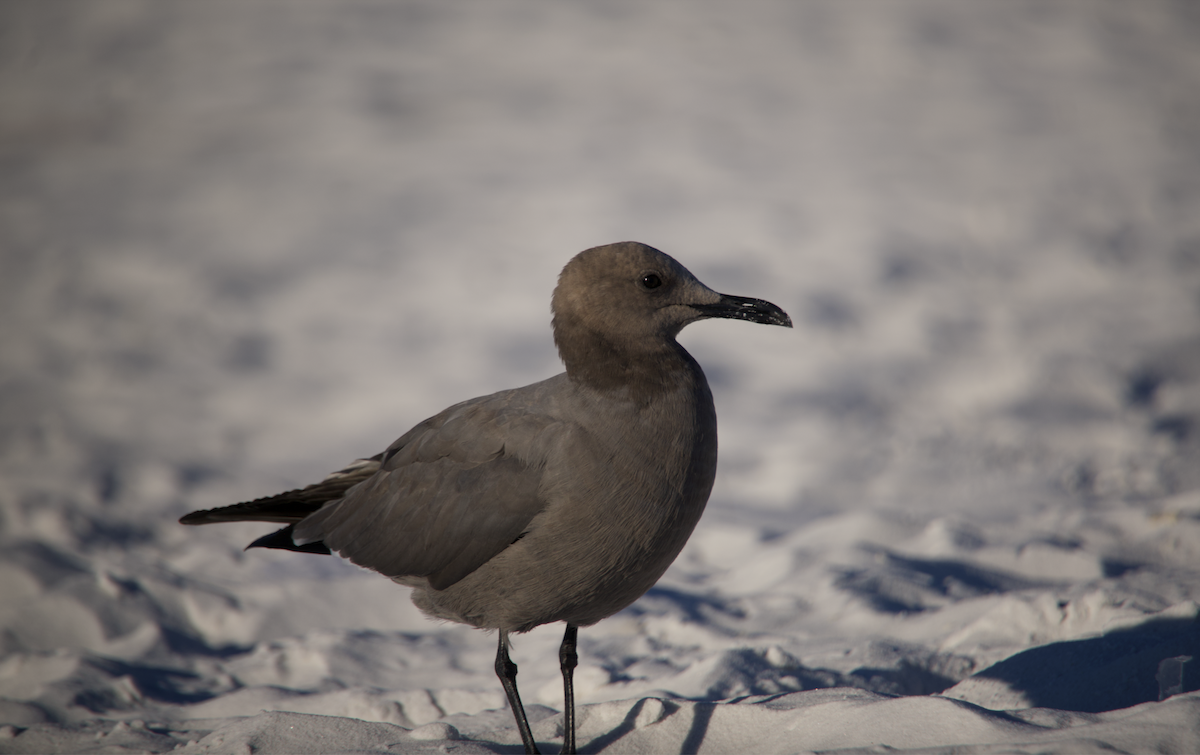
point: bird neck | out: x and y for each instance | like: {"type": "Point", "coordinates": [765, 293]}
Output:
{"type": "Point", "coordinates": [640, 372]}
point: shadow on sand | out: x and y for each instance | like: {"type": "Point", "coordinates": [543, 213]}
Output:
{"type": "Point", "coordinates": [1117, 670]}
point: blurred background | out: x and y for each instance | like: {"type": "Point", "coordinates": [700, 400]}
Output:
{"type": "Point", "coordinates": [261, 238]}
{"type": "Point", "coordinates": [245, 242]}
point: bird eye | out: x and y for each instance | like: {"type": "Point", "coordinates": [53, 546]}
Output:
{"type": "Point", "coordinates": [651, 280]}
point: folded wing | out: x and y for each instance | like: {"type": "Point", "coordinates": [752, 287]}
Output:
{"type": "Point", "coordinates": [449, 495]}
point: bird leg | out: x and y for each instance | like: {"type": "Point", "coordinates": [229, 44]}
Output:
{"type": "Point", "coordinates": [507, 671]}
{"type": "Point", "coordinates": [568, 659]}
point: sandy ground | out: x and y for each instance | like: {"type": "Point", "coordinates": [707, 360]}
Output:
{"type": "Point", "coordinates": [957, 507]}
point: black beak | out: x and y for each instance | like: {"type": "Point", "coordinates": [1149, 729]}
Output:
{"type": "Point", "coordinates": [742, 308]}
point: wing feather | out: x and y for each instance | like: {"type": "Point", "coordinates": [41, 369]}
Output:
{"type": "Point", "coordinates": [449, 495]}
{"type": "Point", "coordinates": [294, 505]}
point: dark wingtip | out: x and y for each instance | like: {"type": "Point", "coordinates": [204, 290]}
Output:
{"type": "Point", "coordinates": [196, 517]}
{"type": "Point", "coordinates": [282, 540]}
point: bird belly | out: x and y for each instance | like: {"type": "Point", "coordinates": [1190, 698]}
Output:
{"type": "Point", "coordinates": [543, 577]}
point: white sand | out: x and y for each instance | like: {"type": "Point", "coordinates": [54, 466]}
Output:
{"type": "Point", "coordinates": [958, 507]}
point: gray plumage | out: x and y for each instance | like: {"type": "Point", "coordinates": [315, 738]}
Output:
{"type": "Point", "coordinates": [564, 500]}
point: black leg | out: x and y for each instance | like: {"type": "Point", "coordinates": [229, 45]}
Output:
{"type": "Point", "coordinates": [568, 659]}
{"type": "Point", "coordinates": [507, 671]}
